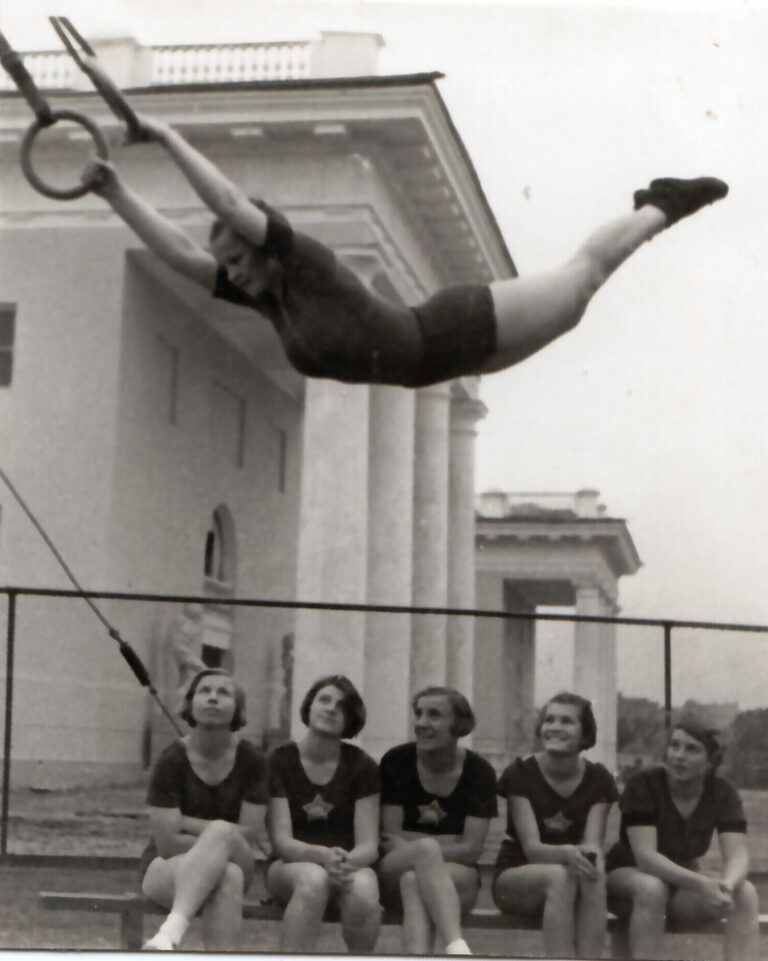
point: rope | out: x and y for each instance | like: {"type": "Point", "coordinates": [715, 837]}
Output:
{"type": "Point", "coordinates": [129, 655]}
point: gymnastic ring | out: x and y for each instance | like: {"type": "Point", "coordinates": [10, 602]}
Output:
{"type": "Point", "coordinates": [29, 171]}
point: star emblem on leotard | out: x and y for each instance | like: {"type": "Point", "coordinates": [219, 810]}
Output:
{"type": "Point", "coordinates": [431, 813]}
{"type": "Point", "coordinates": [558, 823]}
{"type": "Point", "coordinates": [317, 809]}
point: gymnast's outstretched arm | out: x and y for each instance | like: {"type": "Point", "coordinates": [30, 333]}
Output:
{"type": "Point", "coordinates": [225, 199]}
{"type": "Point", "coordinates": [162, 236]}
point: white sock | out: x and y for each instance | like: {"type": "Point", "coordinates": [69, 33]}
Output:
{"type": "Point", "coordinates": [170, 933]}
{"type": "Point", "coordinates": [459, 946]}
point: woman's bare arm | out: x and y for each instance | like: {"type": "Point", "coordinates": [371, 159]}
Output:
{"type": "Point", "coordinates": [171, 244]}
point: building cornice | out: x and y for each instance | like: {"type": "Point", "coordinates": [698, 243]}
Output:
{"type": "Point", "coordinates": [398, 124]}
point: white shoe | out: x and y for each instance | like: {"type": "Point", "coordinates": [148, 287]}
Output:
{"type": "Point", "coordinates": [459, 946]}
{"type": "Point", "coordinates": [160, 942]}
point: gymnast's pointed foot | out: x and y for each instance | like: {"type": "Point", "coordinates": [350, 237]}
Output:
{"type": "Point", "coordinates": [681, 198]}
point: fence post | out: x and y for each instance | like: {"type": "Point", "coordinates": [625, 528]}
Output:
{"type": "Point", "coordinates": [667, 676]}
{"type": "Point", "coordinates": [9, 651]}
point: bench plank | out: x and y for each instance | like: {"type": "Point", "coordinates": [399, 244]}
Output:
{"type": "Point", "coordinates": [132, 907]}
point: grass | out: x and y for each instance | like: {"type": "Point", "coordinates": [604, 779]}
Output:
{"type": "Point", "coordinates": [112, 821]}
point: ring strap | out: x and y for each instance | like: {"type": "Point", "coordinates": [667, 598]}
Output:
{"type": "Point", "coordinates": [14, 67]}
{"type": "Point", "coordinates": [108, 90]}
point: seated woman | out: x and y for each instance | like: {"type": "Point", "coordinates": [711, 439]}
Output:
{"type": "Point", "coordinates": [557, 807]}
{"type": "Point", "coordinates": [668, 817]}
{"type": "Point", "coordinates": [323, 821]}
{"type": "Point", "coordinates": [331, 325]}
{"type": "Point", "coordinates": [207, 799]}
{"type": "Point", "coordinates": [437, 802]}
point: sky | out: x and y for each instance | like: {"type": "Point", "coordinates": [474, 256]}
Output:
{"type": "Point", "coordinates": [658, 398]}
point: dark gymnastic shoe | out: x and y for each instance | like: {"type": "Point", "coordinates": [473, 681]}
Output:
{"type": "Point", "coordinates": [680, 198]}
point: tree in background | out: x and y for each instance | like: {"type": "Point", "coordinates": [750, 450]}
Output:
{"type": "Point", "coordinates": [746, 762]}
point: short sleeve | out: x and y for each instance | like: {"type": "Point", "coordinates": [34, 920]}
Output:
{"type": "Point", "coordinates": [512, 781]}
{"type": "Point", "coordinates": [277, 786]}
{"type": "Point", "coordinates": [391, 784]}
{"type": "Point", "coordinates": [368, 781]}
{"type": "Point", "coordinates": [606, 789]}
{"type": "Point", "coordinates": [279, 236]}
{"type": "Point", "coordinates": [638, 804]}
{"type": "Point", "coordinates": [256, 781]}
{"type": "Point", "coordinates": [165, 783]}
{"type": "Point", "coordinates": [482, 802]}
{"type": "Point", "coordinates": [730, 816]}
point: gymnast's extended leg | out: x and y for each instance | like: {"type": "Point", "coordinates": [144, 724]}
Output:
{"type": "Point", "coordinates": [533, 311]}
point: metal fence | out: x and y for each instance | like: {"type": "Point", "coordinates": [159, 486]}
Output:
{"type": "Point", "coordinates": [665, 632]}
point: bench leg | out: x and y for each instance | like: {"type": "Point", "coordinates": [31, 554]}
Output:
{"type": "Point", "coordinates": [131, 929]}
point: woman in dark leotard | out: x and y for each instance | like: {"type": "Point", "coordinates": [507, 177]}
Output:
{"type": "Point", "coordinates": [207, 799]}
{"type": "Point", "coordinates": [323, 821]}
{"type": "Point", "coordinates": [669, 814]}
{"type": "Point", "coordinates": [551, 861]}
{"type": "Point", "coordinates": [437, 801]}
{"type": "Point", "coordinates": [332, 326]}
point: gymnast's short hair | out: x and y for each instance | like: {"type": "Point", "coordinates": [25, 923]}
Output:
{"type": "Point", "coordinates": [238, 718]}
{"type": "Point", "coordinates": [352, 704]}
{"type": "Point", "coordinates": [463, 715]}
{"type": "Point", "coordinates": [586, 717]}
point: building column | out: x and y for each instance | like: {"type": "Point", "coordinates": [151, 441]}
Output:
{"type": "Point", "coordinates": [333, 535]}
{"type": "Point", "coordinates": [430, 535]}
{"type": "Point", "coordinates": [594, 669]}
{"type": "Point", "coordinates": [390, 567]}
{"type": "Point", "coordinates": [465, 412]}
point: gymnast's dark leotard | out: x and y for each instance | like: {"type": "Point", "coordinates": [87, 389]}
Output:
{"type": "Point", "coordinates": [560, 819]}
{"type": "Point", "coordinates": [473, 796]}
{"type": "Point", "coordinates": [174, 784]}
{"type": "Point", "coordinates": [332, 326]}
{"type": "Point", "coordinates": [323, 813]}
{"type": "Point", "coordinates": [647, 801]}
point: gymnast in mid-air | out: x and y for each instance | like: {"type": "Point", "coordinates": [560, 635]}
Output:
{"type": "Point", "coordinates": [331, 325]}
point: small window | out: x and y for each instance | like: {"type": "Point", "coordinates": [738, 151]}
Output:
{"type": "Point", "coordinates": [7, 338]}
{"type": "Point", "coordinates": [229, 425]}
{"type": "Point", "coordinates": [214, 543]}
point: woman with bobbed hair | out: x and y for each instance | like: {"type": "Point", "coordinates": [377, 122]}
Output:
{"type": "Point", "coordinates": [323, 821]}
{"type": "Point", "coordinates": [437, 802]}
{"type": "Point", "coordinates": [668, 816]}
{"type": "Point", "coordinates": [207, 799]}
{"type": "Point", "coordinates": [551, 860]}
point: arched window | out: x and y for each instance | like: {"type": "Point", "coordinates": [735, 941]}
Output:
{"type": "Point", "coordinates": [219, 558]}
{"type": "Point", "coordinates": [219, 569]}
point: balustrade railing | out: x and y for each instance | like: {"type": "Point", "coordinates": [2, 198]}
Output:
{"type": "Point", "coordinates": [182, 64]}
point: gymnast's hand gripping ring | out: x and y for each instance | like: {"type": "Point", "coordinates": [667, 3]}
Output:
{"type": "Point", "coordinates": [57, 193]}
{"type": "Point", "coordinates": [85, 58]}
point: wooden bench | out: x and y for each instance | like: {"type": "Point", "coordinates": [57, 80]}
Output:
{"type": "Point", "coordinates": [133, 907]}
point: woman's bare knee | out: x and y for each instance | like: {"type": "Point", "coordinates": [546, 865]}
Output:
{"type": "Point", "coordinates": [232, 882]}
{"type": "Point", "coordinates": [311, 881]}
{"type": "Point", "coordinates": [650, 893]}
